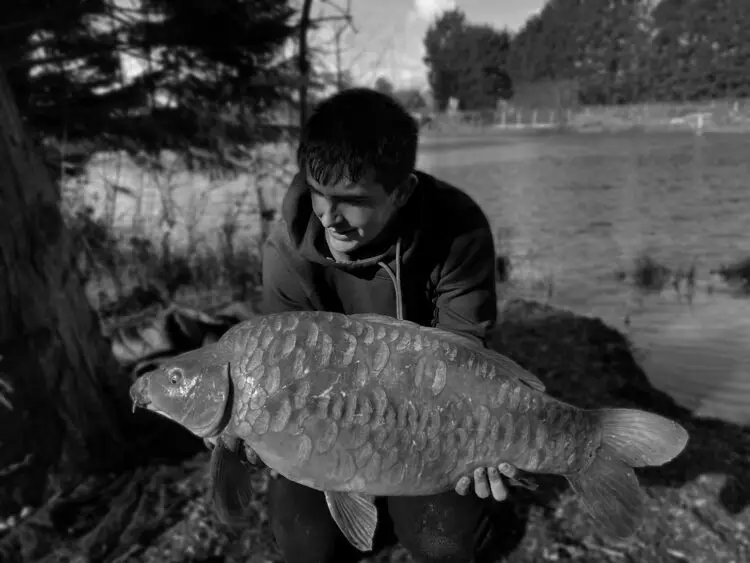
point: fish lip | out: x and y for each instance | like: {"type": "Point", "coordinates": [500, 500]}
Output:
{"type": "Point", "coordinates": [137, 395]}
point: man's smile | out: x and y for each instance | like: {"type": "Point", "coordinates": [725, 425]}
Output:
{"type": "Point", "coordinates": [342, 234]}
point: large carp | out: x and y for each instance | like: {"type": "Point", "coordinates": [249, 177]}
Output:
{"type": "Point", "coordinates": [360, 406]}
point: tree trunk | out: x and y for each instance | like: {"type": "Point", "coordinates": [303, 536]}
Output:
{"type": "Point", "coordinates": [303, 61]}
{"type": "Point", "coordinates": [59, 384]}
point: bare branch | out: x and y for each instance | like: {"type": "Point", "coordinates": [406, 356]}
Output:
{"type": "Point", "coordinates": [324, 19]}
{"type": "Point", "coordinates": [345, 13]}
{"type": "Point", "coordinates": [346, 23]}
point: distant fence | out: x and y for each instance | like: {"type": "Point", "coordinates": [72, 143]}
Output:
{"type": "Point", "coordinates": [718, 112]}
{"type": "Point", "coordinates": [714, 113]}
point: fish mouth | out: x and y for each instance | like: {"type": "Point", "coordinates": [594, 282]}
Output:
{"type": "Point", "coordinates": [138, 394]}
{"type": "Point", "coordinates": [140, 400]}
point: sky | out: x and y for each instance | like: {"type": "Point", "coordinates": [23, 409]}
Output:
{"type": "Point", "coordinates": [389, 33]}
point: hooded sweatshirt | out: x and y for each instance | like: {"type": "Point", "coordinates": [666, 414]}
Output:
{"type": "Point", "coordinates": [437, 269]}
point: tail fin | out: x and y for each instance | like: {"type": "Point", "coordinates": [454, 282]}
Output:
{"type": "Point", "coordinates": [641, 438]}
{"type": "Point", "coordinates": [608, 486]}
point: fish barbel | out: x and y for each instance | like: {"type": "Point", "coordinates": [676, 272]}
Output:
{"type": "Point", "coordinates": [359, 406]}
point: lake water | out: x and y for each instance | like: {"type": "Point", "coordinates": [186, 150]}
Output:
{"type": "Point", "coordinates": [578, 207]}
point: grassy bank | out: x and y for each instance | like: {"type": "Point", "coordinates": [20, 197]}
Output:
{"type": "Point", "coordinates": [697, 506]}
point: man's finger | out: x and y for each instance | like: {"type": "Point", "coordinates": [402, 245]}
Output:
{"type": "Point", "coordinates": [481, 485]}
{"type": "Point", "coordinates": [496, 484]}
{"type": "Point", "coordinates": [462, 487]}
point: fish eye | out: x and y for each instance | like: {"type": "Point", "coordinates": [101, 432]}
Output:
{"type": "Point", "coordinates": [175, 376]}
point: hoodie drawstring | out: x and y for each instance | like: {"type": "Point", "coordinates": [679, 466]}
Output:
{"type": "Point", "coordinates": [396, 279]}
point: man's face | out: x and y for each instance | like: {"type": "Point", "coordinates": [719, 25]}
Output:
{"type": "Point", "coordinates": [353, 213]}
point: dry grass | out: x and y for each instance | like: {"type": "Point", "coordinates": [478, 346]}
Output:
{"type": "Point", "coordinates": [125, 272]}
{"type": "Point", "coordinates": [736, 274]}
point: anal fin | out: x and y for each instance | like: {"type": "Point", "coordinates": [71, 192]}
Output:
{"type": "Point", "coordinates": [610, 491]}
{"type": "Point", "coordinates": [356, 517]}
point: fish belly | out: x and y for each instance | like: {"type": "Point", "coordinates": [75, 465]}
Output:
{"type": "Point", "coordinates": [345, 405]}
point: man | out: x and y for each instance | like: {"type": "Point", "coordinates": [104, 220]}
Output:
{"type": "Point", "coordinates": [363, 232]}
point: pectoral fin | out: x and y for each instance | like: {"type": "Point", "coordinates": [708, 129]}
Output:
{"type": "Point", "coordinates": [356, 517]}
{"type": "Point", "coordinates": [231, 483]}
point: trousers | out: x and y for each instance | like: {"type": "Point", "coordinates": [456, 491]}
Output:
{"type": "Point", "coordinates": [444, 528]}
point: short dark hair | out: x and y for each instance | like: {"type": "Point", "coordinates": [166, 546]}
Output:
{"type": "Point", "coordinates": [356, 132]}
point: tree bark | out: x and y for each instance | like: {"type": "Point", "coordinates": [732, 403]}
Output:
{"type": "Point", "coordinates": [59, 378]}
{"type": "Point", "coordinates": [303, 62]}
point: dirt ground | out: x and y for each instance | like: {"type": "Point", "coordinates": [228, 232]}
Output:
{"type": "Point", "coordinates": [155, 509]}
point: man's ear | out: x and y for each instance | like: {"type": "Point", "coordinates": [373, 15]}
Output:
{"type": "Point", "coordinates": [404, 190]}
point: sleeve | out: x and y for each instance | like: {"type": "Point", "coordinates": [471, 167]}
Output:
{"type": "Point", "coordinates": [282, 290]}
{"type": "Point", "coordinates": [466, 293]}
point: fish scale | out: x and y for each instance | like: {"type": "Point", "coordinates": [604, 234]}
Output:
{"type": "Point", "coordinates": [360, 406]}
{"type": "Point", "coordinates": [364, 404]}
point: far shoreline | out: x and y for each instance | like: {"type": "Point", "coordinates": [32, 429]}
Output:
{"type": "Point", "coordinates": [446, 139]}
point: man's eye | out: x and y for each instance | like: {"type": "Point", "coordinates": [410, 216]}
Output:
{"type": "Point", "coordinates": [339, 201]}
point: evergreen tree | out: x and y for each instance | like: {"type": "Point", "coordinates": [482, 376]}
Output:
{"type": "Point", "coordinates": [467, 62]}
{"type": "Point", "coordinates": [206, 71]}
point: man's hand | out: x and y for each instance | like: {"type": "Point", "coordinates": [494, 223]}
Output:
{"type": "Point", "coordinates": [486, 480]}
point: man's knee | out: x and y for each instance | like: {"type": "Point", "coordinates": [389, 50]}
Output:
{"type": "Point", "coordinates": [303, 527]}
{"type": "Point", "coordinates": [435, 546]}
{"type": "Point", "coordinates": [446, 528]}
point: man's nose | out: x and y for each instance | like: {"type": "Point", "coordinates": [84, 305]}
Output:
{"type": "Point", "coordinates": [329, 215]}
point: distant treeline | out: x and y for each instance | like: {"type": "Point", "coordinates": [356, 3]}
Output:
{"type": "Point", "coordinates": [594, 52]}
{"type": "Point", "coordinates": [204, 78]}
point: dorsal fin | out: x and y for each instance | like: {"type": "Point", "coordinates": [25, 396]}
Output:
{"type": "Point", "coordinates": [457, 339]}
{"type": "Point", "coordinates": [512, 367]}
{"type": "Point", "coordinates": [383, 319]}
{"type": "Point", "coordinates": [509, 367]}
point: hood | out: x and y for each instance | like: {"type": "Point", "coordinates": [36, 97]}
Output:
{"type": "Point", "coordinates": [308, 238]}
